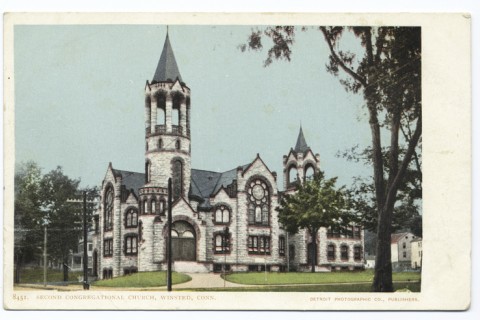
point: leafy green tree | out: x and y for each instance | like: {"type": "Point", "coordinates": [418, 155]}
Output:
{"type": "Point", "coordinates": [64, 218]}
{"type": "Point", "coordinates": [362, 193]}
{"type": "Point", "coordinates": [387, 72]}
{"type": "Point", "coordinates": [41, 200]}
{"type": "Point", "coordinates": [28, 217]}
{"type": "Point", "coordinates": [315, 204]}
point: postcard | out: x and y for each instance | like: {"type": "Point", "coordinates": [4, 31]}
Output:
{"type": "Point", "coordinates": [263, 161]}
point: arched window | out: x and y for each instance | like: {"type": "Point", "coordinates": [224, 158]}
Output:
{"type": "Point", "coordinates": [131, 218]}
{"type": "Point", "coordinates": [222, 215]}
{"type": "Point", "coordinates": [108, 209]}
{"type": "Point", "coordinates": [160, 144]}
{"type": "Point", "coordinates": [331, 252]}
{"type": "Point", "coordinates": [309, 172]}
{"type": "Point", "coordinates": [177, 175]}
{"type": "Point", "coordinates": [258, 203]}
{"type": "Point", "coordinates": [292, 176]}
{"type": "Point", "coordinates": [177, 144]}
{"type": "Point", "coordinates": [153, 204]}
{"type": "Point", "coordinates": [161, 206]}
{"type": "Point", "coordinates": [145, 206]}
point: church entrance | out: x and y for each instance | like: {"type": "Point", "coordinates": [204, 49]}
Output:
{"type": "Point", "coordinates": [184, 245]}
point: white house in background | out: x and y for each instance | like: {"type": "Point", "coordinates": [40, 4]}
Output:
{"type": "Point", "coordinates": [416, 251]}
{"type": "Point", "coordinates": [369, 261]}
{"type": "Point", "coordinates": [401, 250]}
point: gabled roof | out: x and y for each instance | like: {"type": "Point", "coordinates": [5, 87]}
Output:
{"type": "Point", "coordinates": [301, 145]}
{"type": "Point", "coordinates": [397, 236]}
{"type": "Point", "coordinates": [131, 180]}
{"type": "Point", "coordinates": [167, 68]}
{"type": "Point", "coordinates": [205, 183]}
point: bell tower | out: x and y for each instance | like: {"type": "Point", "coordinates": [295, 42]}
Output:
{"type": "Point", "coordinates": [300, 164]}
{"type": "Point", "coordinates": [167, 131]}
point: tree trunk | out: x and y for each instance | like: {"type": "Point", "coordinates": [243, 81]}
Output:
{"type": "Point", "coordinates": [382, 281]}
{"type": "Point", "coordinates": [65, 269]}
{"type": "Point", "coordinates": [313, 235]}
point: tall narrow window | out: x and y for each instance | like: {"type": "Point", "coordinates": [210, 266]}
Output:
{"type": "Point", "coordinates": [177, 174]}
{"type": "Point", "coordinates": [175, 117]}
{"type": "Point", "coordinates": [108, 207]}
{"type": "Point", "coordinates": [145, 206]}
{"type": "Point", "coordinates": [331, 252]}
{"type": "Point", "coordinates": [147, 172]}
{"type": "Point", "coordinates": [259, 203]}
{"type": "Point", "coordinates": [107, 247]}
{"type": "Point", "coordinates": [154, 209]}
{"type": "Point", "coordinates": [161, 114]}
{"type": "Point", "coordinates": [344, 252]}
{"type": "Point", "coordinates": [281, 246]}
{"type": "Point", "coordinates": [131, 245]}
{"type": "Point", "coordinates": [131, 218]}
{"type": "Point", "coordinates": [357, 253]}
{"type": "Point", "coordinates": [160, 144]}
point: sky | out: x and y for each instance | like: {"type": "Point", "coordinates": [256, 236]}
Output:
{"type": "Point", "coordinates": [79, 99]}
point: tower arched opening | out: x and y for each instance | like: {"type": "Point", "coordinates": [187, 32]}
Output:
{"type": "Point", "coordinates": [309, 172]}
{"type": "Point", "coordinates": [292, 176]}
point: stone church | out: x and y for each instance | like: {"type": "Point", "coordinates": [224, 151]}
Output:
{"type": "Point", "coordinates": [131, 222]}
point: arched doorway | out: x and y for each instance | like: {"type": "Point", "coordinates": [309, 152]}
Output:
{"type": "Point", "coordinates": [184, 246]}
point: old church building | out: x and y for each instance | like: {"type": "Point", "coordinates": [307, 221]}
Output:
{"type": "Point", "coordinates": [131, 222]}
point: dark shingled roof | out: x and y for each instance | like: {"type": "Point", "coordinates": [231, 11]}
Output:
{"type": "Point", "coordinates": [167, 66]}
{"type": "Point", "coordinates": [131, 180]}
{"type": "Point", "coordinates": [301, 145]}
{"type": "Point", "coordinates": [205, 183]}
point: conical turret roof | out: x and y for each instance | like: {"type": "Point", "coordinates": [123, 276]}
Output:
{"type": "Point", "coordinates": [301, 145]}
{"type": "Point", "coordinates": [167, 68]}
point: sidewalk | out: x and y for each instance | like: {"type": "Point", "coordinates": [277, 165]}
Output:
{"type": "Point", "coordinates": [207, 280]}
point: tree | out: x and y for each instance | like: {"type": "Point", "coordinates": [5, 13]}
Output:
{"type": "Point", "coordinates": [41, 200]}
{"type": "Point", "coordinates": [388, 73]}
{"type": "Point", "coordinates": [362, 193]}
{"type": "Point", "coordinates": [64, 218]}
{"type": "Point", "coordinates": [315, 204]}
{"type": "Point", "coordinates": [27, 215]}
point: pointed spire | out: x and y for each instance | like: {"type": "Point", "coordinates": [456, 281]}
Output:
{"type": "Point", "coordinates": [167, 65]}
{"type": "Point", "coordinates": [301, 145]}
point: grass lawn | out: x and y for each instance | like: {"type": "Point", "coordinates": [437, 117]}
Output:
{"type": "Point", "coordinates": [143, 280]}
{"type": "Point", "coordinates": [359, 287]}
{"type": "Point", "coordinates": [53, 275]}
{"type": "Point", "coordinates": [262, 278]}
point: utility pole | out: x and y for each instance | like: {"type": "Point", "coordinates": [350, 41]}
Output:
{"type": "Point", "coordinates": [45, 255]}
{"type": "Point", "coordinates": [169, 237]}
{"type": "Point", "coordinates": [86, 285]}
